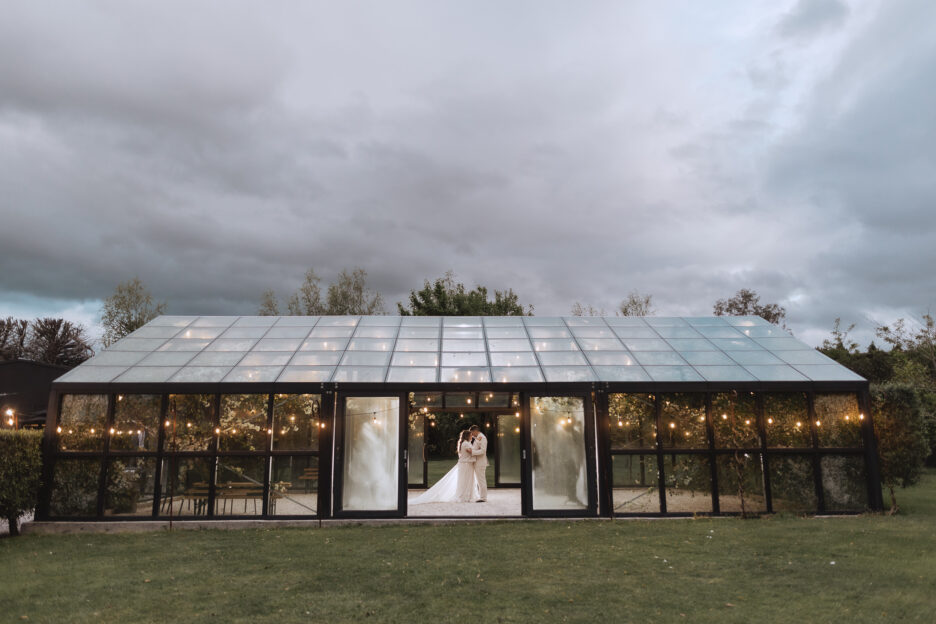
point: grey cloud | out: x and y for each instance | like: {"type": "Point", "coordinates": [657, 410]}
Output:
{"type": "Point", "coordinates": [809, 17]}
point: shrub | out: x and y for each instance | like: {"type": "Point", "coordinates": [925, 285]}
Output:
{"type": "Point", "coordinates": [899, 427]}
{"type": "Point", "coordinates": [20, 472]}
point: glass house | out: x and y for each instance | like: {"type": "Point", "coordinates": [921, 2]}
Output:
{"type": "Point", "coordinates": [329, 417]}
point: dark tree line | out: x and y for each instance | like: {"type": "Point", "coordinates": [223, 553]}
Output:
{"type": "Point", "coordinates": [46, 340]}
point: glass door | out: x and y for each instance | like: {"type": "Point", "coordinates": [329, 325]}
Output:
{"type": "Point", "coordinates": [507, 450]}
{"type": "Point", "coordinates": [560, 444]}
{"type": "Point", "coordinates": [370, 457]}
{"type": "Point", "coordinates": [417, 464]}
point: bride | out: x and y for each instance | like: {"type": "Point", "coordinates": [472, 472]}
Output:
{"type": "Point", "coordinates": [458, 485]}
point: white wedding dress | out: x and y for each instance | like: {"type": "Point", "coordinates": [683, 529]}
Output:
{"type": "Point", "coordinates": [457, 486]}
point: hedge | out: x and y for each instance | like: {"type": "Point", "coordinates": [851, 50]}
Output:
{"type": "Point", "coordinates": [20, 473]}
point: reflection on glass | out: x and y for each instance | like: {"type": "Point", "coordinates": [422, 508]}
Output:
{"type": "Point", "coordinates": [243, 424]}
{"type": "Point", "coordinates": [558, 434]}
{"type": "Point", "coordinates": [189, 425]}
{"type": "Point", "coordinates": [297, 422]}
{"type": "Point", "coordinates": [184, 486]}
{"type": "Point", "coordinates": [81, 422]}
{"type": "Point", "coordinates": [844, 483]}
{"type": "Point", "coordinates": [130, 486]}
{"type": "Point", "coordinates": [838, 420]}
{"type": "Point", "coordinates": [741, 483]}
{"type": "Point", "coordinates": [371, 463]}
{"type": "Point", "coordinates": [294, 486]}
{"type": "Point", "coordinates": [75, 487]}
{"type": "Point", "coordinates": [508, 449]}
{"type": "Point", "coordinates": [635, 484]}
{"type": "Point", "coordinates": [426, 399]}
{"type": "Point", "coordinates": [416, 448]}
{"type": "Point", "coordinates": [688, 483]}
{"type": "Point", "coordinates": [494, 399]}
{"type": "Point", "coordinates": [136, 422]}
{"type": "Point", "coordinates": [792, 486]}
{"type": "Point", "coordinates": [734, 418]}
{"type": "Point", "coordinates": [684, 421]}
{"type": "Point", "coordinates": [786, 420]}
{"type": "Point", "coordinates": [239, 486]}
{"type": "Point", "coordinates": [461, 399]}
{"type": "Point", "coordinates": [633, 420]}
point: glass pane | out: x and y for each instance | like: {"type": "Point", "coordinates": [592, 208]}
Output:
{"type": "Point", "coordinates": [786, 420]}
{"type": "Point", "coordinates": [220, 358]}
{"type": "Point", "coordinates": [647, 344]}
{"type": "Point", "coordinates": [469, 375]}
{"type": "Point", "coordinates": [688, 483]}
{"type": "Point", "coordinates": [600, 344]}
{"type": "Point", "coordinates": [269, 358]}
{"type": "Point", "coordinates": [415, 359]}
{"type": "Point", "coordinates": [306, 374]}
{"type": "Point", "coordinates": [298, 321]}
{"type": "Point", "coordinates": [181, 344]}
{"type": "Point", "coordinates": [494, 399]}
{"type": "Point", "coordinates": [360, 374]}
{"type": "Point", "coordinates": [81, 422]}
{"type": "Point", "coordinates": [365, 358]}
{"type": "Point", "coordinates": [376, 332]}
{"type": "Point", "coordinates": [513, 358]}
{"type": "Point", "coordinates": [690, 344]}
{"type": "Point", "coordinates": [734, 417]}
{"type": "Point", "coordinates": [371, 465]}
{"type": "Point", "coordinates": [416, 448]}
{"type": "Point", "coordinates": [621, 373]}
{"type": "Point", "coordinates": [256, 321]}
{"type": "Point", "coordinates": [243, 422]}
{"type": "Point", "coordinates": [379, 320]}
{"type": "Point", "coordinates": [462, 321]}
{"type": "Point", "coordinates": [823, 372]}
{"type": "Point", "coordinates": [253, 374]}
{"type": "Point", "coordinates": [75, 487]}
{"type": "Point", "coordinates": [370, 344]}
{"type": "Point", "coordinates": [184, 486]}
{"type": "Point", "coordinates": [329, 344]}
{"type": "Point", "coordinates": [844, 483]}
{"type": "Point", "coordinates": [634, 484]}
{"type": "Point", "coordinates": [470, 345]}
{"type": "Point", "coordinates": [189, 422]}
{"type": "Point", "coordinates": [596, 332]}
{"type": "Point", "coordinates": [294, 484]}
{"type": "Point", "coordinates": [417, 344]}
{"type": "Point", "coordinates": [82, 374]}
{"type": "Point", "coordinates": [130, 486]}
{"type": "Point", "coordinates": [508, 449]}
{"type": "Point", "coordinates": [707, 358]}
{"type": "Point", "coordinates": [464, 359]}
{"type": "Point", "coordinates": [232, 344]}
{"type": "Point", "coordinates": [659, 358]}
{"type": "Point", "coordinates": [460, 399]}
{"type": "Point", "coordinates": [413, 374]}
{"type": "Point", "coordinates": [505, 374]}
{"type": "Point", "coordinates": [550, 344]}
{"type": "Point", "coordinates": [147, 374]}
{"type": "Point", "coordinates": [568, 373]}
{"type": "Point", "coordinates": [741, 483]}
{"type": "Point", "coordinates": [735, 344]}
{"type": "Point", "coordinates": [505, 332]}
{"type": "Point", "coordinates": [724, 373]}
{"type": "Point", "coordinates": [245, 332]}
{"type": "Point", "coordinates": [316, 358]}
{"type": "Point", "coordinates": [678, 332]}
{"type": "Point", "coordinates": [637, 332]}
{"type": "Point", "coordinates": [792, 486]}
{"type": "Point", "coordinates": [548, 332]}
{"type": "Point", "coordinates": [611, 358]}
{"type": "Point", "coordinates": [755, 357]}
{"type": "Point", "coordinates": [560, 480]}
{"type": "Point", "coordinates": [200, 373]}
{"type": "Point", "coordinates": [116, 358]}
{"type": "Point", "coordinates": [297, 422]}
{"type": "Point", "coordinates": [633, 421]}
{"type": "Point", "coordinates": [331, 332]}
{"type": "Point", "coordinates": [137, 344]}
{"type": "Point", "coordinates": [417, 332]}
{"type": "Point", "coordinates": [278, 344]}
{"type": "Point", "coordinates": [684, 421]}
{"type": "Point", "coordinates": [136, 422]}
{"type": "Point", "coordinates": [201, 333]}
{"type": "Point", "coordinates": [562, 358]}
{"type": "Point", "coordinates": [673, 373]}
{"type": "Point", "coordinates": [239, 486]}
{"type": "Point", "coordinates": [838, 420]}
{"type": "Point", "coordinates": [718, 332]}
{"type": "Point", "coordinates": [474, 333]}
{"type": "Point", "coordinates": [167, 358]}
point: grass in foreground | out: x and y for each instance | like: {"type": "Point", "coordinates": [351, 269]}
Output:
{"type": "Point", "coordinates": [871, 568]}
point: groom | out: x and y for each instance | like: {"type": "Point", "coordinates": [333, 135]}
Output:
{"type": "Point", "coordinates": [479, 451]}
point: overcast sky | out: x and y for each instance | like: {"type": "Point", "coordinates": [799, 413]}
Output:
{"type": "Point", "coordinates": [571, 151]}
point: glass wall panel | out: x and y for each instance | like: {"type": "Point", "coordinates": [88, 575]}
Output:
{"type": "Point", "coordinates": [416, 448]}
{"type": "Point", "coordinates": [633, 420]}
{"type": "Point", "coordinates": [460, 399]}
{"type": "Point", "coordinates": [81, 422]}
{"type": "Point", "coordinates": [688, 483]}
{"type": "Point", "coordinates": [560, 481]}
{"type": "Point", "coordinates": [184, 486]}
{"type": "Point", "coordinates": [426, 399]}
{"type": "Point", "coordinates": [189, 422]}
{"type": "Point", "coordinates": [243, 424]}
{"type": "Point", "coordinates": [734, 418]}
{"type": "Point", "coordinates": [786, 420]}
{"type": "Point", "coordinates": [684, 421]}
{"type": "Point", "coordinates": [371, 454]}
{"type": "Point", "coordinates": [297, 422]}
{"type": "Point", "coordinates": [792, 485]}
{"type": "Point", "coordinates": [508, 448]}
{"type": "Point", "coordinates": [130, 486]}
{"type": "Point", "coordinates": [838, 419]}
{"type": "Point", "coordinates": [294, 485]}
{"type": "Point", "coordinates": [844, 483]}
{"type": "Point", "coordinates": [635, 484]}
{"type": "Point", "coordinates": [75, 487]}
{"type": "Point", "coordinates": [741, 483]}
{"type": "Point", "coordinates": [136, 422]}
{"type": "Point", "coordinates": [239, 486]}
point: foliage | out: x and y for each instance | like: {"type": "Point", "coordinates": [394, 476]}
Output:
{"type": "Point", "coordinates": [20, 472]}
{"type": "Point", "coordinates": [48, 340]}
{"type": "Point", "coordinates": [919, 345]}
{"type": "Point", "coordinates": [129, 308]}
{"type": "Point", "coordinates": [898, 425]}
{"type": "Point", "coordinates": [14, 335]}
{"type": "Point", "coordinates": [269, 306]}
{"type": "Point", "coordinates": [636, 304]}
{"type": "Point", "coordinates": [746, 302]}
{"type": "Point", "coordinates": [581, 309]}
{"type": "Point", "coordinates": [445, 297]}
{"type": "Point", "coordinates": [349, 294]}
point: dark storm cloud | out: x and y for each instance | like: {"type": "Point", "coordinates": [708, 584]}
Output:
{"type": "Point", "coordinates": [571, 153]}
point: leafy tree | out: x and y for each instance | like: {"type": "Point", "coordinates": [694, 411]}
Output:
{"type": "Point", "coordinates": [747, 303]}
{"type": "Point", "coordinates": [14, 334]}
{"type": "Point", "coordinates": [349, 294]}
{"type": "Point", "coordinates": [919, 345]}
{"type": "Point", "coordinates": [899, 427]}
{"type": "Point", "coordinates": [445, 297]}
{"type": "Point", "coordinates": [307, 301]}
{"type": "Point", "coordinates": [57, 341]}
{"type": "Point", "coordinates": [129, 308]}
{"type": "Point", "coordinates": [636, 304]}
{"type": "Point", "coordinates": [268, 304]}
{"type": "Point", "coordinates": [580, 309]}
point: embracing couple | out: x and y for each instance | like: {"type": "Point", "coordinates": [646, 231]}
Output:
{"type": "Point", "coordinates": [466, 481]}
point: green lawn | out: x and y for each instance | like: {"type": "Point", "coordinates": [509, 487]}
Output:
{"type": "Point", "coordinates": [720, 570]}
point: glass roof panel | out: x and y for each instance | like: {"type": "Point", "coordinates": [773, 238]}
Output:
{"type": "Point", "coordinates": [549, 332]}
{"type": "Point", "coordinates": [412, 374]}
{"type": "Point", "coordinates": [659, 358]}
{"type": "Point", "coordinates": [472, 333]}
{"type": "Point", "coordinates": [691, 344]}
{"type": "Point", "coordinates": [200, 374]}
{"type": "Point", "coordinates": [621, 373]}
{"type": "Point", "coordinates": [707, 358]}
{"type": "Point", "coordinates": [268, 358]}
{"type": "Point", "coordinates": [181, 344]}
{"type": "Point", "coordinates": [171, 321]}
{"type": "Point", "coordinates": [153, 331]}
{"type": "Point", "coordinates": [338, 321]}
{"type": "Point", "coordinates": [754, 357]}
{"type": "Point", "coordinates": [782, 344]}
{"type": "Point", "coordinates": [255, 321]}
{"type": "Point", "coordinates": [297, 321]}
{"type": "Point", "coordinates": [775, 373]}
{"type": "Point", "coordinates": [463, 375]}
{"type": "Point", "coordinates": [543, 321]}
{"type": "Point", "coordinates": [568, 373]}
{"type": "Point", "coordinates": [626, 321]}
{"type": "Point", "coordinates": [366, 358]}
{"type": "Point", "coordinates": [635, 331]}
{"type": "Point", "coordinates": [413, 358]}
{"type": "Point", "coordinates": [611, 358]}
{"type": "Point", "coordinates": [315, 358]}
{"type": "Point", "coordinates": [503, 321]}
{"type": "Point", "coordinates": [505, 332]}
{"type": "Point", "coordinates": [377, 331]}
{"type": "Point", "coordinates": [360, 374]}
{"type": "Point", "coordinates": [673, 373]}
{"type": "Point", "coordinates": [805, 357]}
{"type": "Point", "coordinates": [324, 344]}
{"type": "Point", "coordinates": [370, 344]}
{"type": "Point", "coordinates": [380, 320]}
{"type": "Point", "coordinates": [91, 374]}
{"type": "Point", "coordinates": [417, 344]}
{"type": "Point", "coordinates": [739, 344]}
{"type": "Point", "coordinates": [828, 372]}
{"type": "Point", "coordinates": [698, 321]}
{"type": "Point", "coordinates": [421, 321]}
{"type": "Point", "coordinates": [584, 321]}
{"type": "Point", "coordinates": [232, 344]}
{"type": "Point", "coordinates": [217, 358]}
{"type": "Point", "coordinates": [592, 331]}
{"type": "Point", "coordinates": [306, 374]}
{"type": "Point", "coordinates": [513, 358]}
{"type": "Point", "coordinates": [116, 358]}
{"type": "Point", "coordinates": [464, 359]}
{"type": "Point", "coordinates": [508, 344]}
{"type": "Point", "coordinates": [665, 321]}
{"type": "Point", "coordinates": [214, 321]}
{"type": "Point", "coordinates": [601, 344]}
{"type": "Point", "coordinates": [463, 345]}
{"type": "Point", "coordinates": [678, 332]}
{"type": "Point", "coordinates": [245, 332]}
{"type": "Point", "coordinates": [147, 374]}
{"type": "Point", "coordinates": [723, 331]}
{"type": "Point", "coordinates": [555, 344]}
{"type": "Point", "coordinates": [562, 358]}
{"type": "Point", "coordinates": [137, 344]}
{"type": "Point", "coordinates": [762, 331]}
{"type": "Point", "coordinates": [419, 332]}
{"type": "Point", "coordinates": [278, 344]}
{"type": "Point", "coordinates": [746, 321]}
{"type": "Point", "coordinates": [647, 344]}
{"type": "Point", "coordinates": [517, 374]}
{"type": "Point", "coordinates": [168, 358]}
{"type": "Point", "coordinates": [461, 321]}
{"type": "Point", "coordinates": [253, 374]}
{"type": "Point", "coordinates": [724, 373]}
{"type": "Point", "coordinates": [331, 332]}
{"type": "Point", "coordinates": [287, 332]}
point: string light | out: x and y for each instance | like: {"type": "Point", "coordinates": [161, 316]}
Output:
{"type": "Point", "coordinates": [58, 430]}
{"type": "Point", "coordinates": [724, 416]}
{"type": "Point", "coordinates": [747, 421]}
{"type": "Point", "coordinates": [799, 424]}
{"type": "Point", "coordinates": [770, 421]}
{"type": "Point", "coordinates": [672, 425]}
{"type": "Point", "coordinates": [112, 431]}
{"type": "Point", "coordinates": [818, 423]}
{"type": "Point", "coordinates": [860, 416]}
{"type": "Point", "coordinates": [217, 430]}
{"type": "Point", "coordinates": [517, 430]}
